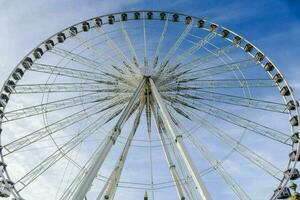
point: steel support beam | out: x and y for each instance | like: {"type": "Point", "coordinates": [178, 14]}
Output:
{"type": "Point", "coordinates": [180, 145]}
{"type": "Point", "coordinates": [101, 154]}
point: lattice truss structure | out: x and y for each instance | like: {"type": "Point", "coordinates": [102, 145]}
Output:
{"type": "Point", "coordinates": [147, 104]}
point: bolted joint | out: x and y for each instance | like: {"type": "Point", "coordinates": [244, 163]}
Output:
{"type": "Point", "coordinates": [172, 167]}
{"type": "Point", "coordinates": [178, 136]}
{"type": "Point", "coordinates": [116, 132]}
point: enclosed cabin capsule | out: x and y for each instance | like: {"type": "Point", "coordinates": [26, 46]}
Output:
{"type": "Point", "coordinates": [61, 37]}
{"type": "Point", "coordinates": [293, 174]}
{"type": "Point", "coordinates": [285, 91]}
{"type": "Point", "coordinates": [18, 74]}
{"type": "Point", "coordinates": [269, 67]}
{"type": "Point", "coordinates": [277, 78]}
{"type": "Point", "coordinates": [248, 48]}
{"type": "Point", "coordinates": [213, 27]}
{"type": "Point", "coordinates": [294, 121]}
{"type": "Point", "coordinates": [163, 16]}
{"type": "Point", "coordinates": [98, 22]}
{"type": "Point", "coordinates": [27, 62]}
{"type": "Point", "coordinates": [38, 52]}
{"type": "Point", "coordinates": [188, 20]}
{"type": "Point", "coordinates": [111, 19]}
{"type": "Point", "coordinates": [237, 40]}
{"type": "Point", "coordinates": [73, 31]}
{"type": "Point", "coordinates": [225, 33]}
{"type": "Point", "coordinates": [293, 155]}
{"type": "Point", "coordinates": [9, 86]}
{"type": "Point", "coordinates": [49, 44]}
{"type": "Point", "coordinates": [201, 23]}
{"type": "Point", "coordinates": [291, 105]}
{"type": "Point", "coordinates": [295, 137]}
{"type": "Point", "coordinates": [259, 56]}
{"type": "Point", "coordinates": [149, 15]}
{"type": "Point", "coordinates": [5, 188]}
{"type": "Point", "coordinates": [85, 26]}
{"type": "Point", "coordinates": [175, 17]}
{"type": "Point", "coordinates": [124, 17]}
{"type": "Point", "coordinates": [284, 194]}
{"type": "Point", "coordinates": [137, 15]}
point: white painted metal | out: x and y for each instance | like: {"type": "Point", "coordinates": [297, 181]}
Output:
{"type": "Point", "coordinates": [204, 194]}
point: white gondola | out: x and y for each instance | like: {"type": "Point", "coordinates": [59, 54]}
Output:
{"type": "Point", "coordinates": [111, 19]}
{"type": "Point", "coordinates": [291, 105]}
{"type": "Point", "coordinates": [5, 189]}
{"type": "Point", "coordinates": [292, 156]}
{"type": "Point", "coordinates": [73, 31]}
{"type": "Point", "coordinates": [163, 16]}
{"type": "Point", "coordinates": [237, 40]}
{"type": "Point", "coordinates": [9, 86]}
{"type": "Point", "coordinates": [294, 121]}
{"type": "Point", "coordinates": [149, 15]}
{"type": "Point", "coordinates": [269, 67]}
{"type": "Point", "coordinates": [98, 22]}
{"type": "Point", "coordinates": [248, 48]}
{"type": "Point", "coordinates": [137, 15]}
{"type": "Point", "coordinates": [201, 23]}
{"type": "Point", "coordinates": [295, 137]}
{"type": "Point", "coordinates": [213, 27]}
{"type": "Point", "coordinates": [85, 26]}
{"type": "Point", "coordinates": [27, 62]}
{"type": "Point", "coordinates": [259, 56]}
{"type": "Point", "coordinates": [277, 78]}
{"type": "Point", "coordinates": [225, 33]}
{"type": "Point", "coordinates": [49, 44]}
{"type": "Point", "coordinates": [38, 52]}
{"type": "Point", "coordinates": [175, 17]}
{"type": "Point", "coordinates": [285, 91]}
{"type": "Point", "coordinates": [18, 74]}
{"type": "Point", "coordinates": [188, 20]}
{"type": "Point", "coordinates": [124, 17]}
{"type": "Point", "coordinates": [292, 173]}
{"type": "Point", "coordinates": [61, 37]}
{"type": "Point", "coordinates": [284, 194]}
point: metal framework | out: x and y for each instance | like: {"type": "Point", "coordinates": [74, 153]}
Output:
{"type": "Point", "coordinates": [83, 99]}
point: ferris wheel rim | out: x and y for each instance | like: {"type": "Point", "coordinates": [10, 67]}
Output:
{"type": "Point", "coordinates": [286, 99]}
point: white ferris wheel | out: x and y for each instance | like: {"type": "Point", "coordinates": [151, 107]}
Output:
{"type": "Point", "coordinates": [147, 105]}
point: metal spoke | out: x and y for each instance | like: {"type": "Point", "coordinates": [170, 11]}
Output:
{"type": "Point", "coordinates": [202, 95]}
{"type": "Point", "coordinates": [75, 73]}
{"type": "Point", "coordinates": [234, 186]}
{"type": "Point", "coordinates": [235, 119]}
{"type": "Point", "coordinates": [59, 125]}
{"type": "Point", "coordinates": [220, 69]}
{"type": "Point", "coordinates": [70, 87]}
{"type": "Point", "coordinates": [54, 106]}
{"type": "Point", "coordinates": [129, 44]}
{"type": "Point", "coordinates": [63, 150]}
{"type": "Point", "coordinates": [240, 148]}
{"type": "Point", "coordinates": [162, 37]}
{"type": "Point", "coordinates": [173, 49]}
{"type": "Point", "coordinates": [201, 43]}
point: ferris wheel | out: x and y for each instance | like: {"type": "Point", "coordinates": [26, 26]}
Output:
{"type": "Point", "coordinates": [147, 105]}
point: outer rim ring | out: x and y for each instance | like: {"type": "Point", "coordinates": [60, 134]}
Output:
{"type": "Point", "coordinates": [291, 113]}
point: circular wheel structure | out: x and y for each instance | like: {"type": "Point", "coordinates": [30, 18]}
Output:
{"type": "Point", "coordinates": [147, 104]}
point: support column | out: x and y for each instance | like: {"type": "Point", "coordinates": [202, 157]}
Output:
{"type": "Point", "coordinates": [100, 155]}
{"type": "Point", "coordinates": [171, 165]}
{"type": "Point", "coordinates": [180, 145]}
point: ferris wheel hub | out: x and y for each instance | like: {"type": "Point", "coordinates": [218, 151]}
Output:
{"type": "Point", "coordinates": [146, 71]}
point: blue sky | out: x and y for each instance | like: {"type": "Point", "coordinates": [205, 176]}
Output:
{"type": "Point", "coordinates": [272, 25]}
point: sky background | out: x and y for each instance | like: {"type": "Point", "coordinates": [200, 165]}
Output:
{"type": "Point", "coordinates": [272, 25]}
